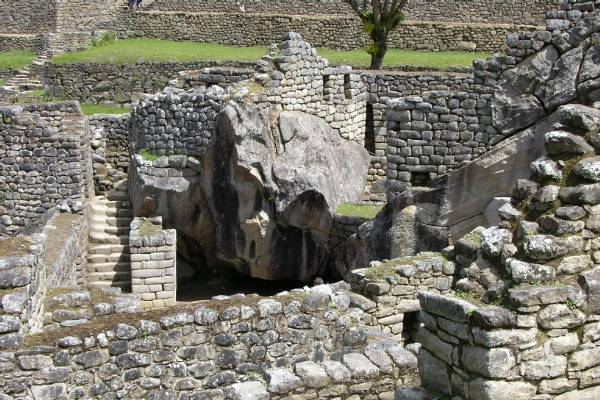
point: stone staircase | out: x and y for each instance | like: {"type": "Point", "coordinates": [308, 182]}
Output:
{"type": "Point", "coordinates": [108, 261]}
{"type": "Point", "coordinates": [24, 81]}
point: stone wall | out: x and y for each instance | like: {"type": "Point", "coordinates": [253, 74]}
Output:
{"type": "Point", "coordinates": [305, 343]}
{"type": "Point", "coordinates": [36, 16]}
{"type": "Point", "coordinates": [109, 140]}
{"type": "Point", "coordinates": [183, 125]}
{"type": "Point", "coordinates": [49, 255]}
{"type": "Point", "coordinates": [66, 250]}
{"type": "Point", "coordinates": [530, 12]}
{"type": "Point", "coordinates": [121, 84]}
{"type": "Point", "coordinates": [392, 286]}
{"type": "Point", "coordinates": [153, 262]}
{"type": "Point", "coordinates": [44, 160]}
{"type": "Point", "coordinates": [531, 351]}
{"type": "Point", "coordinates": [338, 32]}
{"type": "Point", "coordinates": [22, 288]}
{"type": "Point", "coordinates": [33, 42]}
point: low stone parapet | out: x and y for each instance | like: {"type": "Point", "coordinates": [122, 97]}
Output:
{"type": "Point", "coordinates": [308, 343]}
{"type": "Point", "coordinates": [391, 288]}
{"type": "Point", "coordinates": [153, 262]}
{"type": "Point", "coordinates": [540, 346]}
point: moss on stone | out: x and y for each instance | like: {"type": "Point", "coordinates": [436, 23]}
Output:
{"type": "Point", "coordinates": [147, 155]}
{"type": "Point", "coordinates": [365, 211]}
{"type": "Point", "coordinates": [15, 247]}
{"type": "Point", "coordinates": [147, 228]}
{"type": "Point", "coordinates": [387, 268]}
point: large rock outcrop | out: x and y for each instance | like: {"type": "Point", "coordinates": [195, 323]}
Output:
{"type": "Point", "coordinates": [264, 199]}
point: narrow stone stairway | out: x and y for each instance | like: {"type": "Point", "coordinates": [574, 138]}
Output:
{"type": "Point", "coordinates": [24, 81]}
{"type": "Point", "coordinates": [108, 261]}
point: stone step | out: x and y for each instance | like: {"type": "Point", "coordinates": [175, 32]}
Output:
{"type": "Point", "coordinates": [123, 285]}
{"type": "Point", "coordinates": [102, 237]}
{"type": "Point", "coordinates": [120, 266]}
{"type": "Point", "coordinates": [108, 258]}
{"type": "Point", "coordinates": [110, 221]}
{"type": "Point", "coordinates": [105, 210]}
{"type": "Point", "coordinates": [109, 276]}
{"type": "Point", "coordinates": [102, 248]}
{"type": "Point", "coordinates": [111, 230]}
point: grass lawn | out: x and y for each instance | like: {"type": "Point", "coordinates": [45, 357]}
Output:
{"type": "Point", "coordinates": [358, 210]}
{"type": "Point", "coordinates": [15, 59]}
{"type": "Point", "coordinates": [92, 109]}
{"type": "Point", "coordinates": [2, 82]}
{"type": "Point", "coordinates": [134, 50]}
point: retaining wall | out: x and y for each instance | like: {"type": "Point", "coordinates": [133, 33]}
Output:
{"type": "Point", "coordinates": [337, 32]}
{"type": "Point", "coordinates": [44, 160]}
{"type": "Point", "coordinates": [486, 11]}
{"type": "Point", "coordinates": [308, 344]}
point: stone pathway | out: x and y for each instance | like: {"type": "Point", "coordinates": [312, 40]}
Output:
{"type": "Point", "coordinates": [24, 81]}
{"type": "Point", "coordinates": [108, 261]}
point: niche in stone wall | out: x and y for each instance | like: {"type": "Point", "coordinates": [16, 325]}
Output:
{"type": "Point", "coordinates": [370, 130]}
{"type": "Point", "coordinates": [326, 88]}
{"type": "Point", "coordinates": [421, 179]}
{"type": "Point", "coordinates": [347, 91]}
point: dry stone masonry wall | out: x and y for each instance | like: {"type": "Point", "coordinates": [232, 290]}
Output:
{"type": "Point", "coordinates": [153, 262]}
{"type": "Point", "coordinates": [307, 343]}
{"type": "Point", "coordinates": [44, 160]}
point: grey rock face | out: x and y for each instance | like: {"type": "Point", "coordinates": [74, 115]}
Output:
{"type": "Point", "coordinates": [513, 114]}
{"type": "Point", "coordinates": [282, 381]}
{"type": "Point", "coordinates": [264, 201]}
{"type": "Point", "coordinates": [562, 142]}
{"type": "Point", "coordinates": [562, 85]}
{"type": "Point", "coordinates": [522, 272]}
{"type": "Point", "coordinates": [559, 316]}
{"type": "Point", "coordinates": [588, 168]}
{"type": "Point", "coordinates": [545, 247]}
{"type": "Point", "coordinates": [545, 168]}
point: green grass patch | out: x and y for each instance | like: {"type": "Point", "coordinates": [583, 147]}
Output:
{"type": "Point", "coordinates": [358, 210]}
{"type": "Point", "coordinates": [92, 109]}
{"type": "Point", "coordinates": [2, 82]}
{"type": "Point", "coordinates": [15, 60]}
{"type": "Point", "coordinates": [397, 58]}
{"type": "Point", "coordinates": [147, 155]}
{"type": "Point", "coordinates": [387, 268]}
{"type": "Point", "coordinates": [130, 51]}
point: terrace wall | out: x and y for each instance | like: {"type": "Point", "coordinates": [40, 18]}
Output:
{"type": "Point", "coordinates": [44, 160]}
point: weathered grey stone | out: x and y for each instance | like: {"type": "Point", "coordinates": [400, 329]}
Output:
{"type": "Point", "coordinates": [571, 213]}
{"type": "Point", "coordinates": [588, 168]}
{"type": "Point", "coordinates": [557, 386]}
{"type": "Point", "coordinates": [562, 142]}
{"type": "Point", "coordinates": [561, 87]}
{"type": "Point", "coordinates": [251, 390]}
{"type": "Point", "coordinates": [523, 272]}
{"type": "Point", "coordinates": [541, 295]}
{"type": "Point", "coordinates": [545, 247]}
{"type": "Point", "coordinates": [312, 374]}
{"type": "Point", "coordinates": [559, 316]}
{"type": "Point", "coordinates": [493, 317]}
{"type": "Point", "coordinates": [481, 389]}
{"type": "Point", "coordinates": [433, 372]}
{"type": "Point", "coordinates": [336, 371]}
{"type": "Point", "coordinates": [49, 392]}
{"type": "Point", "coordinates": [451, 308]}
{"type": "Point", "coordinates": [513, 114]}
{"type": "Point", "coordinates": [584, 359]}
{"type": "Point", "coordinates": [503, 337]}
{"type": "Point", "coordinates": [574, 264]}
{"type": "Point", "coordinates": [581, 194]}
{"type": "Point", "coordinates": [493, 363]}
{"type": "Point", "coordinates": [546, 168]}
{"type": "Point", "coordinates": [282, 381]}
{"type": "Point", "coordinates": [547, 368]}
{"type": "Point", "coordinates": [493, 239]}
{"type": "Point", "coordinates": [360, 367]}
{"type": "Point", "coordinates": [590, 281]}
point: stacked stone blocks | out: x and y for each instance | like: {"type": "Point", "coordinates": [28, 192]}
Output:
{"type": "Point", "coordinates": [153, 262]}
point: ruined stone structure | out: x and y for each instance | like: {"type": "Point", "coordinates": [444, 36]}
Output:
{"type": "Point", "coordinates": [443, 25]}
{"type": "Point", "coordinates": [477, 280]}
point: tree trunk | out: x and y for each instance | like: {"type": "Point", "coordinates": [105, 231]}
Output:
{"type": "Point", "coordinates": [380, 40]}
